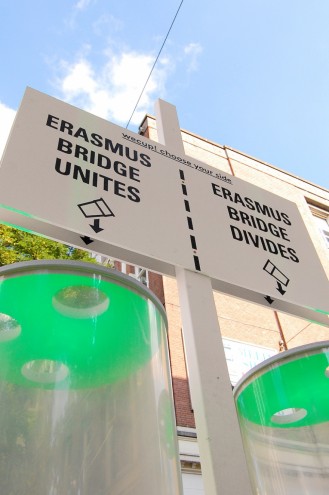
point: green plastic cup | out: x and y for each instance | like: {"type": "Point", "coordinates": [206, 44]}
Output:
{"type": "Point", "coordinates": [283, 410]}
{"type": "Point", "coordinates": [85, 389]}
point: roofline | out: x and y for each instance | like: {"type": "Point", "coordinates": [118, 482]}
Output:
{"type": "Point", "coordinates": [224, 147]}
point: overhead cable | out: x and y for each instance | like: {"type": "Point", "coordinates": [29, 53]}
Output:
{"type": "Point", "coordinates": [157, 58]}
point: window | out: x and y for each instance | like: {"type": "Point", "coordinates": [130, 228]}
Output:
{"type": "Point", "coordinates": [241, 357]}
{"type": "Point", "coordinates": [321, 217]}
{"type": "Point", "coordinates": [323, 224]}
{"type": "Point", "coordinates": [140, 274]}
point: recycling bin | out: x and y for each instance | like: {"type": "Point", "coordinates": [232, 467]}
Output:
{"type": "Point", "coordinates": [283, 410]}
{"type": "Point", "coordinates": [85, 389]}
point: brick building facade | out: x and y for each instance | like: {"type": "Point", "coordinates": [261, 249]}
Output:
{"type": "Point", "coordinates": [250, 333]}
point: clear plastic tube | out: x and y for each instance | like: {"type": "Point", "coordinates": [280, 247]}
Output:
{"type": "Point", "coordinates": [86, 401]}
{"type": "Point", "coordinates": [283, 412]}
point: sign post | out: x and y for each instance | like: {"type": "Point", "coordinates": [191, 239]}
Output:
{"type": "Point", "coordinates": [223, 462]}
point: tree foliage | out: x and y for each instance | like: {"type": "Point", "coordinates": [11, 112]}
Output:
{"type": "Point", "coordinates": [17, 245]}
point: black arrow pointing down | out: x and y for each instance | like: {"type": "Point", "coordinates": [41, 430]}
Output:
{"type": "Point", "coordinates": [280, 289]}
{"type": "Point", "coordinates": [86, 240]}
{"type": "Point", "coordinates": [95, 226]}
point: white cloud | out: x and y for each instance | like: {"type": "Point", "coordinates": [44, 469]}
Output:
{"type": "Point", "coordinates": [112, 91]}
{"type": "Point", "coordinates": [106, 24]}
{"type": "Point", "coordinates": [78, 8]}
{"type": "Point", "coordinates": [7, 116]}
{"type": "Point", "coordinates": [82, 4]}
{"type": "Point", "coordinates": [193, 51]}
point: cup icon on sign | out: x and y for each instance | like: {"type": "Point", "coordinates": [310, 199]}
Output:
{"type": "Point", "coordinates": [96, 208]}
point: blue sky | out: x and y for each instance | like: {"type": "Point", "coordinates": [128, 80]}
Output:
{"type": "Point", "coordinates": [253, 75]}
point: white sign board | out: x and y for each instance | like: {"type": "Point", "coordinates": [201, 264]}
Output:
{"type": "Point", "coordinates": [77, 178]}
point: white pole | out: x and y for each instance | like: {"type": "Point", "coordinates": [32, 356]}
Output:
{"type": "Point", "coordinates": [223, 461]}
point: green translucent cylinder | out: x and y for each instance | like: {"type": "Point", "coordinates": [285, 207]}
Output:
{"type": "Point", "coordinates": [283, 410]}
{"type": "Point", "coordinates": [85, 389]}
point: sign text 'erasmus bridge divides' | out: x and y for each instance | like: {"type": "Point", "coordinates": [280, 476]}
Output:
{"type": "Point", "coordinates": [81, 180]}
